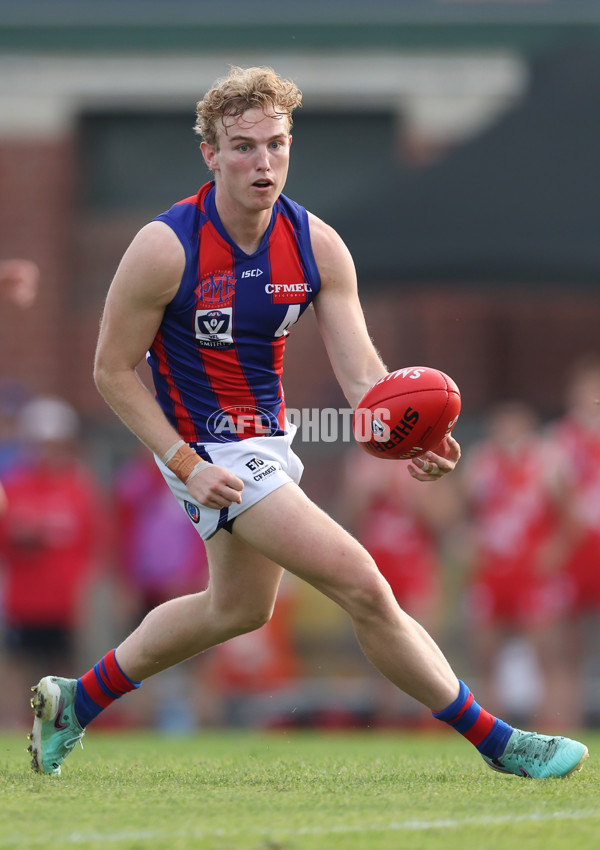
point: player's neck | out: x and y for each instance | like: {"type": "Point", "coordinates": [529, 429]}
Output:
{"type": "Point", "coordinates": [245, 227]}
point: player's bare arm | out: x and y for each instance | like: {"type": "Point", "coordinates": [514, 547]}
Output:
{"type": "Point", "coordinates": [354, 358]}
{"type": "Point", "coordinates": [145, 282]}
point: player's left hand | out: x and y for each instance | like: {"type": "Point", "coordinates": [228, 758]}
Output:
{"type": "Point", "coordinates": [437, 462]}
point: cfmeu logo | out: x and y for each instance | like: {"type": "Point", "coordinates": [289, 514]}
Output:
{"type": "Point", "coordinates": [288, 293]}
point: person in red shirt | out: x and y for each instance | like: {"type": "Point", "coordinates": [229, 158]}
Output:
{"type": "Point", "coordinates": [511, 595]}
{"type": "Point", "coordinates": [574, 440]}
{"type": "Point", "coordinates": [52, 533]}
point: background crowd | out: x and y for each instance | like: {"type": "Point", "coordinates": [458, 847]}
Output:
{"type": "Point", "coordinates": [499, 561]}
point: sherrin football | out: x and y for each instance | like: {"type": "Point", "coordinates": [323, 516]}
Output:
{"type": "Point", "coordinates": [406, 413]}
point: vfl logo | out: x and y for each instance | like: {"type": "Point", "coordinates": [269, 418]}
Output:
{"type": "Point", "coordinates": [212, 322]}
{"type": "Point", "coordinates": [213, 327]}
{"type": "Point", "coordinates": [192, 511]}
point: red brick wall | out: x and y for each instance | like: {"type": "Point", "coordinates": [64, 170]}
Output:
{"type": "Point", "coordinates": [494, 344]}
{"type": "Point", "coordinates": [36, 218]}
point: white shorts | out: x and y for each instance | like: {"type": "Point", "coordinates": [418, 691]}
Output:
{"type": "Point", "coordinates": [263, 463]}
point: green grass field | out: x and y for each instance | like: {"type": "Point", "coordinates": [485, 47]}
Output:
{"type": "Point", "coordinates": [290, 791]}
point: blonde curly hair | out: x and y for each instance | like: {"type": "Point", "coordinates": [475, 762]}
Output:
{"type": "Point", "coordinates": [245, 88]}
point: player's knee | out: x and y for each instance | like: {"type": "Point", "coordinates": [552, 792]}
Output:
{"type": "Point", "coordinates": [255, 618]}
{"type": "Point", "coordinates": [370, 595]}
{"type": "Point", "coordinates": [248, 617]}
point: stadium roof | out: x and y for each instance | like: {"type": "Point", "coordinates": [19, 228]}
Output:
{"type": "Point", "coordinates": [130, 25]}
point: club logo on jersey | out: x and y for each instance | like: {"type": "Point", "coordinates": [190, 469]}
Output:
{"type": "Point", "coordinates": [213, 320]}
{"type": "Point", "coordinates": [192, 511]}
{"type": "Point", "coordinates": [216, 290]}
{"type": "Point", "coordinates": [288, 293]}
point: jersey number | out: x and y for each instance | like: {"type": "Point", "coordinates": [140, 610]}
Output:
{"type": "Point", "coordinates": [292, 314]}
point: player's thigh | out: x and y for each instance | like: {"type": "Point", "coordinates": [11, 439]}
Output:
{"type": "Point", "coordinates": [243, 582]}
{"type": "Point", "coordinates": [289, 529]}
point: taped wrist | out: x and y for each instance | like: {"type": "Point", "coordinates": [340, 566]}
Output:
{"type": "Point", "coordinates": [183, 461]}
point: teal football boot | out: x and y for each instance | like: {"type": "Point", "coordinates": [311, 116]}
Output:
{"type": "Point", "coordinates": [539, 756]}
{"type": "Point", "coordinates": [55, 727]}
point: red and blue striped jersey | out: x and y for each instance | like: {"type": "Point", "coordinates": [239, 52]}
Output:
{"type": "Point", "coordinates": [217, 358]}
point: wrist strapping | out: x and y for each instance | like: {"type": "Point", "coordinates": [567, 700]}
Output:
{"type": "Point", "coordinates": [183, 461]}
{"type": "Point", "coordinates": [168, 456]}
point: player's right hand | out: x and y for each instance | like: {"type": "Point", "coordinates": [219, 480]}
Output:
{"type": "Point", "coordinates": [439, 461]}
{"type": "Point", "coordinates": [216, 487]}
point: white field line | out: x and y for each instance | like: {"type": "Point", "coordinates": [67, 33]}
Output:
{"type": "Point", "coordinates": [83, 838]}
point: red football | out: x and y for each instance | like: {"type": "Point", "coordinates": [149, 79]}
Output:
{"type": "Point", "coordinates": [406, 413]}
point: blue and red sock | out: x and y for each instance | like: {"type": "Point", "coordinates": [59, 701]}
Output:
{"type": "Point", "coordinates": [100, 687]}
{"type": "Point", "coordinates": [487, 733]}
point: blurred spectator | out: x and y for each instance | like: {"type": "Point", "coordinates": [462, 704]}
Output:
{"type": "Point", "coordinates": [13, 395]}
{"type": "Point", "coordinates": [161, 556]}
{"type": "Point", "coordinates": [401, 524]}
{"type": "Point", "coordinates": [19, 281]}
{"type": "Point", "coordinates": [512, 604]}
{"type": "Point", "coordinates": [575, 442]}
{"type": "Point", "coordinates": [53, 534]}
{"type": "Point", "coordinates": [161, 553]}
